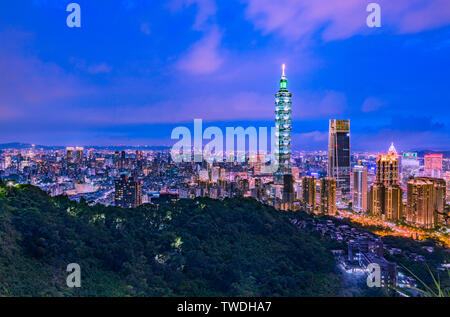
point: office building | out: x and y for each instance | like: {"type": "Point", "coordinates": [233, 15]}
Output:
{"type": "Point", "coordinates": [360, 188]}
{"type": "Point", "coordinates": [339, 154]}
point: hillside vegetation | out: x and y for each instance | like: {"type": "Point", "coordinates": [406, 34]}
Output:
{"type": "Point", "coordinates": [201, 247]}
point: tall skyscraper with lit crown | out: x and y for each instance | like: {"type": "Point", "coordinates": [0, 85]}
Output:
{"type": "Point", "coordinates": [339, 154]}
{"type": "Point", "coordinates": [283, 128]}
{"type": "Point", "coordinates": [388, 167]}
{"type": "Point", "coordinates": [385, 196]}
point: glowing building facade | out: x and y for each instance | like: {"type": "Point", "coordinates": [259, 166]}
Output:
{"type": "Point", "coordinates": [339, 154]}
{"type": "Point", "coordinates": [127, 192]}
{"type": "Point", "coordinates": [79, 155]}
{"type": "Point", "coordinates": [70, 154]}
{"type": "Point", "coordinates": [385, 196]}
{"type": "Point", "coordinates": [387, 168]}
{"type": "Point", "coordinates": [309, 192]}
{"type": "Point", "coordinates": [433, 165]}
{"type": "Point", "coordinates": [360, 188]}
{"type": "Point", "coordinates": [283, 128]}
{"type": "Point", "coordinates": [425, 205]}
{"type": "Point", "coordinates": [328, 196]}
{"type": "Point", "coordinates": [447, 180]}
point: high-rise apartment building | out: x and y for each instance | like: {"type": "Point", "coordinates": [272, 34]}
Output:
{"type": "Point", "coordinates": [257, 163]}
{"type": "Point", "coordinates": [410, 160]}
{"type": "Point", "coordinates": [385, 196]}
{"type": "Point", "coordinates": [70, 155]}
{"type": "Point", "coordinates": [339, 154]}
{"type": "Point", "coordinates": [309, 191]}
{"type": "Point", "coordinates": [127, 192]}
{"type": "Point", "coordinates": [409, 167]}
{"type": "Point", "coordinates": [376, 199]}
{"type": "Point", "coordinates": [387, 168]}
{"type": "Point", "coordinates": [79, 155]}
{"type": "Point", "coordinates": [425, 201]}
{"type": "Point", "coordinates": [393, 204]}
{"type": "Point", "coordinates": [123, 160]}
{"type": "Point", "coordinates": [447, 180]}
{"type": "Point", "coordinates": [116, 159]}
{"type": "Point", "coordinates": [328, 196]}
{"type": "Point", "coordinates": [433, 165]}
{"type": "Point", "coordinates": [359, 188]}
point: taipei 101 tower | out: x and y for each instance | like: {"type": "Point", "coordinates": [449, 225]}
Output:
{"type": "Point", "coordinates": [283, 128]}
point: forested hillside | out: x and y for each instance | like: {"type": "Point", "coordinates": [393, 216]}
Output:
{"type": "Point", "coordinates": [202, 247]}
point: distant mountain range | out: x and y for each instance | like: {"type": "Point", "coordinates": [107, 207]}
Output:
{"type": "Point", "coordinates": [20, 146]}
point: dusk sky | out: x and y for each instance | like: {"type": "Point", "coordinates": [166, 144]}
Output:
{"type": "Point", "coordinates": [138, 68]}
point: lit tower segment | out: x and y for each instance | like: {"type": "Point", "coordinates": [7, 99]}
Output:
{"type": "Point", "coordinates": [283, 127]}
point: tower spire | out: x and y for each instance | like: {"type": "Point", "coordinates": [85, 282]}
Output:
{"type": "Point", "coordinates": [392, 150]}
{"type": "Point", "coordinates": [283, 80]}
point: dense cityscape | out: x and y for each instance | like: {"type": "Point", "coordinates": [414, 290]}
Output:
{"type": "Point", "coordinates": [401, 194]}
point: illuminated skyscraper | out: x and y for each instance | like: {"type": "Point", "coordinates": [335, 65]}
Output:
{"type": "Point", "coordinates": [309, 191]}
{"type": "Point", "coordinates": [123, 160]}
{"type": "Point", "coordinates": [257, 163]}
{"type": "Point", "coordinates": [127, 192]}
{"type": "Point", "coordinates": [70, 155]}
{"type": "Point", "coordinates": [328, 196]}
{"type": "Point", "coordinates": [387, 167]}
{"type": "Point", "coordinates": [385, 196]}
{"type": "Point", "coordinates": [425, 201]}
{"type": "Point", "coordinates": [376, 199]}
{"type": "Point", "coordinates": [433, 165]}
{"type": "Point", "coordinates": [79, 155]}
{"type": "Point", "coordinates": [91, 154]}
{"type": "Point", "coordinates": [393, 205]}
{"type": "Point", "coordinates": [116, 159]}
{"type": "Point", "coordinates": [447, 180]}
{"type": "Point", "coordinates": [409, 167]}
{"type": "Point", "coordinates": [360, 188]}
{"type": "Point", "coordinates": [339, 154]}
{"type": "Point", "coordinates": [283, 128]}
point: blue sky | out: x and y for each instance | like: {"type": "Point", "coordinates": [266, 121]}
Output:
{"type": "Point", "coordinates": [136, 69]}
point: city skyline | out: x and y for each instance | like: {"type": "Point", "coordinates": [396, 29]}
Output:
{"type": "Point", "coordinates": [202, 59]}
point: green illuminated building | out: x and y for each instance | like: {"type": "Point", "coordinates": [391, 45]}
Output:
{"type": "Point", "coordinates": [283, 128]}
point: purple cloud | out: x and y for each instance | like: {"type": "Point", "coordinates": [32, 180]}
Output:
{"type": "Point", "coordinates": [31, 84]}
{"type": "Point", "coordinates": [94, 69]}
{"type": "Point", "coordinates": [206, 10]}
{"type": "Point", "coordinates": [145, 28]}
{"type": "Point", "coordinates": [371, 104]}
{"type": "Point", "coordinates": [296, 19]}
{"type": "Point", "coordinates": [204, 57]}
{"type": "Point", "coordinates": [325, 104]}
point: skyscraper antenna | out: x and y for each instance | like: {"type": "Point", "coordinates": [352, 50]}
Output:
{"type": "Point", "coordinates": [284, 67]}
